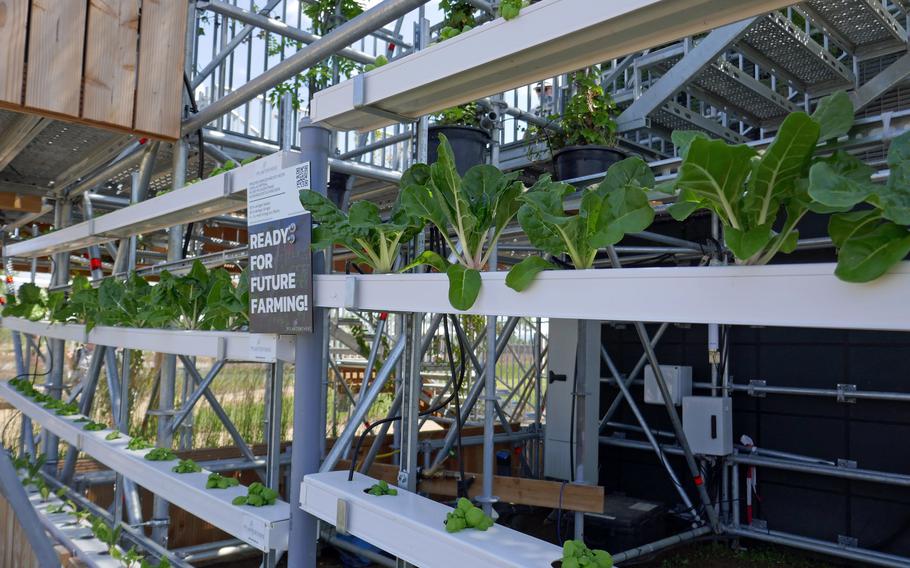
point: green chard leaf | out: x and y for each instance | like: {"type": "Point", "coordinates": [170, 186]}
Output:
{"type": "Point", "coordinates": [776, 171]}
{"type": "Point", "coordinates": [834, 114]}
{"type": "Point", "coordinates": [838, 183]}
{"type": "Point", "coordinates": [523, 274]}
{"type": "Point", "coordinates": [894, 197]}
{"type": "Point", "coordinates": [868, 245]}
{"type": "Point", "coordinates": [714, 173]}
{"type": "Point", "coordinates": [464, 286]}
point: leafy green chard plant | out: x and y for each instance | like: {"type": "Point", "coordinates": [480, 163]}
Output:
{"type": "Point", "coordinates": [203, 299]}
{"type": "Point", "coordinates": [619, 205]}
{"type": "Point", "coordinates": [373, 241]}
{"type": "Point", "coordinates": [130, 303]}
{"type": "Point", "coordinates": [476, 208]}
{"type": "Point", "coordinates": [759, 198]}
{"type": "Point", "coordinates": [28, 303]}
{"type": "Point", "coordinates": [872, 239]}
{"type": "Point", "coordinates": [588, 116]}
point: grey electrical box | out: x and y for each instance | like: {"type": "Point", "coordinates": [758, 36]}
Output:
{"type": "Point", "coordinates": [708, 424]}
{"type": "Point", "coordinates": [678, 379]}
{"type": "Point", "coordinates": [560, 446]}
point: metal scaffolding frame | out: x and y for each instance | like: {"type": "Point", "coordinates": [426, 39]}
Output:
{"type": "Point", "coordinates": [659, 91]}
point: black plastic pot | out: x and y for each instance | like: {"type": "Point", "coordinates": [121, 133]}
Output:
{"type": "Point", "coordinates": [578, 161]}
{"type": "Point", "coordinates": [469, 145]}
{"type": "Point", "coordinates": [337, 186]}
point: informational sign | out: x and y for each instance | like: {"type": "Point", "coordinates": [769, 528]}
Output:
{"type": "Point", "coordinates": [281, 275]}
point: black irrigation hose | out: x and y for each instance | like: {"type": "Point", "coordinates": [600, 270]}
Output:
{"type": "Point", "coordinates": [201, 169]}
{"type": "Point", "coordinates": [461, 489]}
{"type": "Point", "coordinates": [35, 374]}
{"type": "Point", "coordinates": [458, 384]}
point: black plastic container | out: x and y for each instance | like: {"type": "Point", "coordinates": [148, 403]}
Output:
{"type": "Point", "coordinates": [469, 145]}
{"type": "Point", "coordinates": [578, 161]}
{"type": "Point", "coordinates": [626, 523]}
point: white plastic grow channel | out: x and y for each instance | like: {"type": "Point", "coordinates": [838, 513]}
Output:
{"type": "Point", "coordinates": [215, 196]}
{"type": "Point", "coordinates": [264, 528]}
{"type": "Point", "coordinates": [68, 332]}
{"type": "Point", "coordinates": [75, 536]}
{"type": "Point", "coordinates": [548, 38]}
{"type": "Point", "coordinates": [411, 527]}
{"type": "Point", "coordinates": [228, 345]}
{"type": "Point", "coordinates": [790, 295]}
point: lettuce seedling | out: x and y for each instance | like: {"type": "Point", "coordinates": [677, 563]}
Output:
{"type": "Point", "coordinates": [477, 208]}
{"type": "Point", "coordinates": [381, 488]}
{"type": "Point", "coordinates": [509, 9]}
{"type": "Point", "coordinates": [161, 454]}
{"type": "Point", "coordinates": [258, 495]}
{"type": "Point", "coordinates": [138, 444]}
{"type": "Point", "coordinates": [576, 554]}
{"type": "Point", "coordinates": [467, 516]}
{"type": "Point", "coordinates": [619, 205]}
{"type": "Point", "coordinates": [186, 466]}
{"type": "Point", "coordinates": [373, 241]}
{"type": "Point", "coordinates": [218, 481]}
{"type": "Point", "coordinates": [68, 409]}
{"type": "Point", "coordinates": [749, 191]}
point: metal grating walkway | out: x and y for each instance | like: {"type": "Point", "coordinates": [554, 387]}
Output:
{"type": "Point", "coordinates": [729, 83]}
{"type": "Point", "coordinates": [861, 22]}
{"type": "Point", "coordinates": [777, 39]}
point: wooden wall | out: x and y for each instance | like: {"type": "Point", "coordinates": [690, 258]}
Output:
{"type": "Point", "coordinates": [15, 549]}
{"type": "Point", "coordinates": [116, 64]}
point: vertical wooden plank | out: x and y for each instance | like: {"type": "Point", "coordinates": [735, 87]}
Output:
{"type": "Point", "coordinates": [111, 55]}
{"type": "Point", "coordinates": [13, 25]}
{"type": "Point", "coordinates": [161, 51]}
{"type": "Point", "coordinates": [55, 48]}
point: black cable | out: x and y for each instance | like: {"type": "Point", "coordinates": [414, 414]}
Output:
{"type": "Point", "coordinates": [201, 168]}
{"type": "Point", "coordinates": [559, 515]}
{"type": "Point", "coordinates": [427, 412]}
{"type": "Point", "coordinates": [34, 374]}
{"type": "Point", "coordinates": [461, 488]}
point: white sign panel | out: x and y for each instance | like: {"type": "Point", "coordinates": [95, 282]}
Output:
{"type": "Point", "coordinates": [275, 196]}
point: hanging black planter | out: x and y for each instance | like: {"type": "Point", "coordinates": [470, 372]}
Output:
{"type": "Point", "coordinates": [469, 145]}
{"type": "Point", "coordinates": [578, 161]}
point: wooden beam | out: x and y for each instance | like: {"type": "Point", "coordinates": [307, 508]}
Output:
{"type": "Point", "coordinates": [110, 61]}
{"type": "Point", "coordinates": [55, 49]}
{"type": "Point", "coordinates": [159, 89]}
{"type": "Point", "coordinates": [520, 490]}
{"type": "Point", "coordinates": [13, 25]}
{"type": "Point", "coordinates": [17, 202]}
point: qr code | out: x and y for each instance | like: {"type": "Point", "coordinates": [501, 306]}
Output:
{"type": "Point", "coordinates": [303, 176]}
